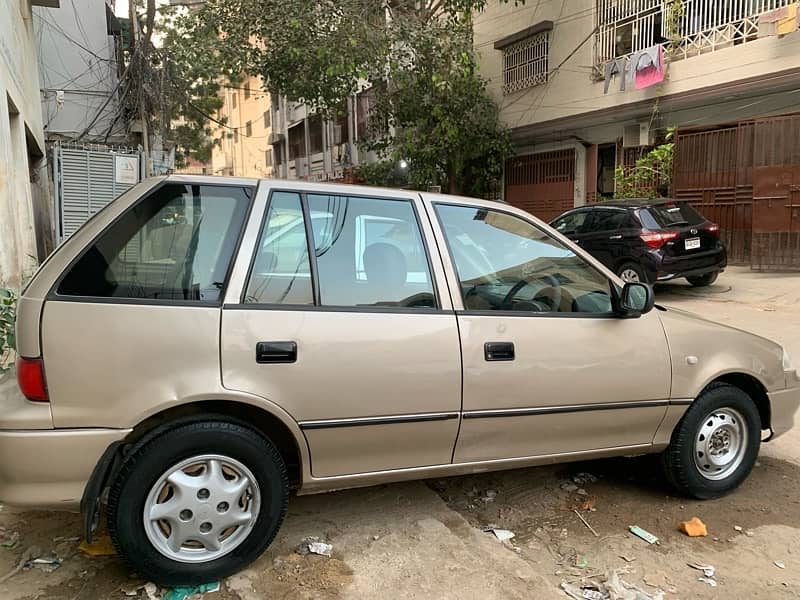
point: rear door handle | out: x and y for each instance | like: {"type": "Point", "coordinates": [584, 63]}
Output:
{"type": "Point", "coordinates": [615, 237]}
{"type": "Point", "coordinates": [497, 351]}
{"type": "Point", "coordinates": [276, 352]}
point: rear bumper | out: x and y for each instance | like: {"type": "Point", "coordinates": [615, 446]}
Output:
{"type": "Point", "coordinates": [783, 408]}
{"type": "Point", "coordinates": [692, 266]}
{"type": "Point", "coordinates": [50, 468]}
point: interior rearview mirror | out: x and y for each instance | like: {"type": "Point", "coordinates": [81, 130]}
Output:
{"type": "Point", "coordinates": [636, 299]}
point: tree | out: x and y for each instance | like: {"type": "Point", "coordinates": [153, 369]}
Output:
{"type": "Point", "coordinates": [431, 106]}
{"type": "Point", "coordinates": [651, 176]}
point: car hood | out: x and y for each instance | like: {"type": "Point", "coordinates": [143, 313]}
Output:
{"type": "Point", "coordinates": [702, 351]}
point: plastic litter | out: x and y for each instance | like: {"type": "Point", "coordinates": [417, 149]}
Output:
{"type": "Point", "coordinates": [182, 593]}
{"type": "Point", "coordinates": [708, 570]}
{"type": "Point", "coordinates": [780, 564]}
{"type": "Point", "coordinates": [502, 535]}
{"type": "Point", "coordinates": [612, 588]}
{"type": "Point", "coordinates": [101, 546]}
{"type": "Point", "coordinates": [314, 545]}
{"type": "Point", "coordinates": [708, 580]}
{"type": "Point", "coordinates": [645, 535]}
{"type": "Point", "coordinates": [694, 527]}
{"type": "Point", "coordinates": [490, 496]}
{"type": "Point", "coordinates": [737, 528]}
{"type": "Point", "coordinates": [48, 565]}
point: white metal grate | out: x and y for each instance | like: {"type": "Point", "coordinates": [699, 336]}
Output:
{"type": "Point", "coordinates": [629, 26]}
{"type": "Point", "coordinates": [525, 63]}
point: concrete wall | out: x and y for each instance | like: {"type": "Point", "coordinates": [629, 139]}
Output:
{"type": "Point", "coordinates": [24, 205]}
{"type": "Point", "coordinates": [571, 90]}
{"type": "Point", "coordinates": [77, 57]}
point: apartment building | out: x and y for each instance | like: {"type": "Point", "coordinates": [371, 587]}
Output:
{"type": "Point", "coordinates": [243, 132]}
{"type": "Point", "coordinates": [24, 205]}
{"type": "Point", "coordinates": [308, 146]}
{"type": "Point", "coordinates": [589, 85]}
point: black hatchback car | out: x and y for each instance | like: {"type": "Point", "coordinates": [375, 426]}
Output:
{"type": "Point", "coordinates": [648, 240]}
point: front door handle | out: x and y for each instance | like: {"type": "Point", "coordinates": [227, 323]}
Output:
{"type": "Point", "coordinates": [615, 237]}
{"type": "Point", "coordinates": [276, 352]}
{"type": "Point", "coordinates": [496, 351]}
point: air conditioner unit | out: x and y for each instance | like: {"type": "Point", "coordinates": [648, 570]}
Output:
{"type": "Point", "coordinates": [637, 135]}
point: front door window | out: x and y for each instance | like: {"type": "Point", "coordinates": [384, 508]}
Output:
{"type": "Point", "coordinates": [505, 263]}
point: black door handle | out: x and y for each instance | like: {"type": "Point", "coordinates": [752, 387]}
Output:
{"type": "Point", "coordinates": [493, 351]}
{"type": "Point", "coordinates": [276, 352]}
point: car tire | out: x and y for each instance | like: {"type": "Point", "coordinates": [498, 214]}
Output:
{"type": "Point", "coordinates": [715, 445]}
{"type": "Point", "coordinates": [217, 480]}
{"type": "Point", "coordinates": [631, 271]}
{"type": "Point", "coordinates": [703, 280]}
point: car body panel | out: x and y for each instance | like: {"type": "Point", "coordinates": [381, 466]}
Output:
{"type": "Point", "coordinates": [703, 350]}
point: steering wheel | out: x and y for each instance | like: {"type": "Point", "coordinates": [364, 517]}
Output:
{"type": "Point", "coordinates": [551, 299]}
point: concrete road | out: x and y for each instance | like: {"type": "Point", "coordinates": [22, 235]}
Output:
{"type": "Point", "coordinates": [426, 539]}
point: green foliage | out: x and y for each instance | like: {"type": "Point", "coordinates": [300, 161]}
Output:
{"type": "Point", "coordinates": [8, 318]}
{"type": "Point", "coordinates": [650, 176]}
{"type": "Point", "coordinates": [430, 106]}
{"type": "Point", "coordinates": [383, 173]}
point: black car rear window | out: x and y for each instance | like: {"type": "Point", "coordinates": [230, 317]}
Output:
{"type": "Point", "coordinates": [671, 214]}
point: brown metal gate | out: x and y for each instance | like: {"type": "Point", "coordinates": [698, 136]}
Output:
{"type": "Point", "coordinates": [542, 184]}
{"type": "Point", "coordinates": [707, 174]}
{"type": "Point", "coordinates": [776, 193]}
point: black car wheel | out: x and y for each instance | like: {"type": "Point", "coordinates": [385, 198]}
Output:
{"type": "Point", "coordinates": [703, 280]}
{"type": "Point", "coordinates": [716, 443]}
{"type": "Point", "coordinates": [197, 502]}
{"type": "Point", "coordinates": [630, 271]}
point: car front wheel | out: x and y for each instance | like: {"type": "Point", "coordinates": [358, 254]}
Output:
{"type": "Point", "coordinates": [716, 443]}
{"type": "Point", "coordinates": [197, 502]}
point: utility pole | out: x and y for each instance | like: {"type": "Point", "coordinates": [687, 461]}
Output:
{"type": "Point", "coordinates": [136, 38]}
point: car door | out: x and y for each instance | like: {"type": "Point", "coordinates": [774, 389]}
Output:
{"type": "Point", "coordinates": [548, 367]}
{"type": "Point", "coordinates": [608, 230]}
{"type": "Point", "coordinates": [573, 224]}
{"type": "Point", "coordinates": [339, 321]}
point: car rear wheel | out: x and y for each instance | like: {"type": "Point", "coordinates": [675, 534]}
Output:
{"type": "Point", "coordinates": [197, 502]}
{"type": "Point", "coordinates": [703, 280]}
{"type": "Point", "coordinates": [716, 443]}
{"type": "Point", "coordinates": [632, 272]}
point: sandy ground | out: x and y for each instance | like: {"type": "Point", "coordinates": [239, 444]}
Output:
{"type": "Point", "coordinates": [426, 539]}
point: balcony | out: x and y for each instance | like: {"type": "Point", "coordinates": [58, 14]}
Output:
{"type": "Point", "coordinates": [692, 27]}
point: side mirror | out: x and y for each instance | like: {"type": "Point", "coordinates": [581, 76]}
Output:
{"type": "Point", "coordinates": [635, 300]}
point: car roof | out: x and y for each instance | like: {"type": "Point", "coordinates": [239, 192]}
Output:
{"type": "Point", "coordinates": [633, 203]}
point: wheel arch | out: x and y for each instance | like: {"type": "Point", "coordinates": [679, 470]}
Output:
{"type": "Point", "coordinates": [281, 430]}
{"type": "Point", "coordinates": [751, 386]}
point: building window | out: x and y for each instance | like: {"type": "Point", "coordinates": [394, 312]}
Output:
{"type": "Point", "coordinates": [235, 136]}
{"type": "Point", "coordinates": [267, 119]}
{"type": "Point", "coordinates": [268, 158]}
{"type": "Point", "coordinates": [525, 62]}
{"type": "Point", "coordinates": [248, 129]}
{"type": "Point", "coordinates": [246, 90]}
{"type": "Point", "coordinates": [297, 141]}
{"type": "Point", "coordinates": [315, 133]}
{"type": "Point", "coordinates": [234, 99]}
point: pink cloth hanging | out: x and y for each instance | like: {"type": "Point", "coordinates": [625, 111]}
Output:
{"type": "Point", "coordinates": [653, 74]}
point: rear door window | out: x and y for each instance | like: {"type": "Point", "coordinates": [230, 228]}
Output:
{"type": "Point", "coordinates": [608, 219]}
{"type": "Point", "coordinates": [674, 214]}
{"type": "Point", "coordinates": [174, 245]}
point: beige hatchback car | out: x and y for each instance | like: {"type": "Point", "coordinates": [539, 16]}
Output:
{"type": "Point", "coordinates": [204, 345]}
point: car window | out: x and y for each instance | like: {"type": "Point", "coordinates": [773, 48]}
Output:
{"type": "Point", "coordinates": [506, 263]}
{"type": "Point", "coordinates": [175, 244]}
{"type": "Point", "coordinates": [370, 253]}
{"type": "Point", "coordinates": [608, 219]}
{"type": "Point", "coordinates": [570, 223]}
{"type": "Point", "coordinates": [281, 272]}
{"type": "Point", "coordinates": [674, 214]}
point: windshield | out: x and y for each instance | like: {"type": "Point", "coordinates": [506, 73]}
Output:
{"type": "Point", "coordinates": [670, 214]}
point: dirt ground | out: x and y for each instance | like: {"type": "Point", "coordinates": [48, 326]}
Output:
{"type": "Point", "coordinates": [427, 539]}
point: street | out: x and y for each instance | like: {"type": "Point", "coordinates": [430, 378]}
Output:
{"type": "Point", "coordinates": [427, 539]}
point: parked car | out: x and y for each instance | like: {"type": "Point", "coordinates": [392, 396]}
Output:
{"type": "Point", "coordinates": [648, 240]}
{"type": "Point", "coordinates": [203, 345]}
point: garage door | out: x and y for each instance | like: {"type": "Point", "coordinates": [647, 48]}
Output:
{"type": "Point", "coordinates": [542, 184]}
